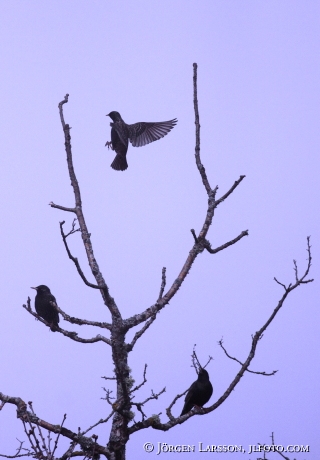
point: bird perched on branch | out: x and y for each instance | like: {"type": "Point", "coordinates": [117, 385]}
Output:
{"type": "Point", "coordinates": [44, 304]}
{"type": "Point", "coordinates": [138, 134]}
{"type": "Point", "coordinates": [199, 393]}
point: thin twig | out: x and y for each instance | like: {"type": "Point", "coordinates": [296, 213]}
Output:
{"type": "Point", "coordinates": [19, 449]}
{"type": "Point", "coordinates": [163, 283]}
{"type": "Point", "coordinates": [140, 333]}
{"type": "Point", "coordinates": [281, 284]}
{"type": "Point", "coordinates": [139, 405]}
{"type": "Point", "coordinates": [102, 420]}
{"type": "Point", "coordinates": [70, 451]}
{"type": "Point", "coordinates": [74, 259]}
{"type": "Point", "coordinates": [44, 445]}
{"type": "Point", "coordinates": [247, 370]}
{"type": "Point", "coordinates": [137, 387]}
{"type": "Point", "coordinates": [139, 408]}
{"type": "Point", "coordinates": [195, 361]}
{"type": "Point", "coordinates": [108, 396]}
{"type": "Point", "coordinates": [57, 438]}
{"type": "Point", "coordinates": [235, 185]}
{"type": "Point", "coordinates": [207, 245]}
{"type": "Point", "coordinates": [194, 236]}
{"type": "Point", "coordinates": [168, 410]}
{"type": "Point", "coordinates": [63, 208]}
{"type": "Point", "coordinates": [29, 433]}
{"type": "Point", "coordinates": [151, 320]}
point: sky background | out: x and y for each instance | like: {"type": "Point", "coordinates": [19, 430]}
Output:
{"type": "Point", "coordinates": [258, 90]}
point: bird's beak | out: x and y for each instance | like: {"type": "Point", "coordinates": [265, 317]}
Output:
{"type": "Point", "coordinates": [34, 288]}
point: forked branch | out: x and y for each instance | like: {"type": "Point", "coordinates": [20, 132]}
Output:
{"type": "Point", "coordinates": [29, 418]}
{"type": "Point", "coordinates": [200, 243]}
{"type": "Point", "coordinates": [86, 236]}
{"type": "Point", "coordinates": [244, 366]}
{"type": "Point", "coordinates": [74, 259]}
{"type": "Point", "coordinates": [237, 360]}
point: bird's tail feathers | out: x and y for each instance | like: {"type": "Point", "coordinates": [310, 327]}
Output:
{"type": "Point", "coordinates": [186, 408]}
{"type": "Point", "coordinates": [119, 163]}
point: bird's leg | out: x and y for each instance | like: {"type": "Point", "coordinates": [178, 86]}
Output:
{"type": "Point", "coordinates": [109, 144]}
{"type": "Point", "coordinates": [198, 407]}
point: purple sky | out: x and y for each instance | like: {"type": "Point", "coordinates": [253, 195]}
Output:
{"type": "Point", "coordinates": [259, 111]}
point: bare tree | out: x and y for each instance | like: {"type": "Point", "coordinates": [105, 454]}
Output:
{"type": "Point", "coordinates": [121, 416]}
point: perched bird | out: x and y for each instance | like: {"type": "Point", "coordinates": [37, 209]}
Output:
{"type": "Point", "coordinates": [44, 307]}
{"type": "Point", "coordinates": [199, 393]}
{"type": "Point", "coordinates": [138, 134]}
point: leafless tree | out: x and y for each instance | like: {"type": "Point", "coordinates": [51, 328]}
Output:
{"type": "Point", "coordinates": [121, 416]}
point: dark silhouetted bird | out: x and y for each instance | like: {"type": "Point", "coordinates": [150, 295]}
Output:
{"type": "Point", "coordinates": [138, 134]}
{"type": "Point", "coordinates": [44, 307]}
{"type": "Point", "coordinates": [199, 393]}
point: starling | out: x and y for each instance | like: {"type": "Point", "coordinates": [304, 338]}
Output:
{"type": "Point", "coordinates": [44, 307]}
{"type": "Point", "coordinates": [199, 393]}
{"type": "Point", "coordinates": [138, 134]}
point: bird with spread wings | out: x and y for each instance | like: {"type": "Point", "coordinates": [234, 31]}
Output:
{"type": "Point", "coordinates": [138, 134]}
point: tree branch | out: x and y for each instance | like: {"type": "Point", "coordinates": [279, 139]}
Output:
{"type": "Point", "coordinates": [200, 166]}
{"type": "Point", "coordinates": [235, 185]}
{"type": "Point", "coordinates": [86, 236]}
{"type": "Point", "coordinates": [71, 335]}
{"type": "Point", "coordinates": [151, 320]}
{"type": "Point", "coordinates": [18, 454]}
{"type": "Point", "coordinates": [205, 244]}
{"type": "Point", "coordinates": [140, 333]}
{"type": "Point", "coordinates": [248, 370]}
{"type": "Point", "coordinates": [141, 404]}
{"type": "Point", "coordinates": [105, 420]}
{"type": "Point", "coordinates": [157, 425]}
{"type": "Point", "coordinates": [196, 249]}
{"type": "Point", "coordinates": [62, 208]}
{"type": "Point", "coordinates": [168, 410]}
{"type": "Point", "coordinates": [29, 417]}
{"type": "Point", "coordinates": [200, 242]}
{"type": "Point", "coordinates": [74, 259]}
{"type": "Point", "coordinates": [163, 282]}
{"type": "Point", "coordinates": [81, 322]}
{"type": "Point", "coordinates": [137, 387]}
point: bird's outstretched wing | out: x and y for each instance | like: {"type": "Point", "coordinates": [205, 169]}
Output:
{"type": "Point", "coordinates": [143, 133]}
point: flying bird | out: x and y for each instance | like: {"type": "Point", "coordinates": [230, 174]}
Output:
{"type": "Point", "coordinates": [44, 308]}
{"type": "Point", "coordinates": [138, 134]}
{"type": "Point", "coordinates": [199, 393]}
